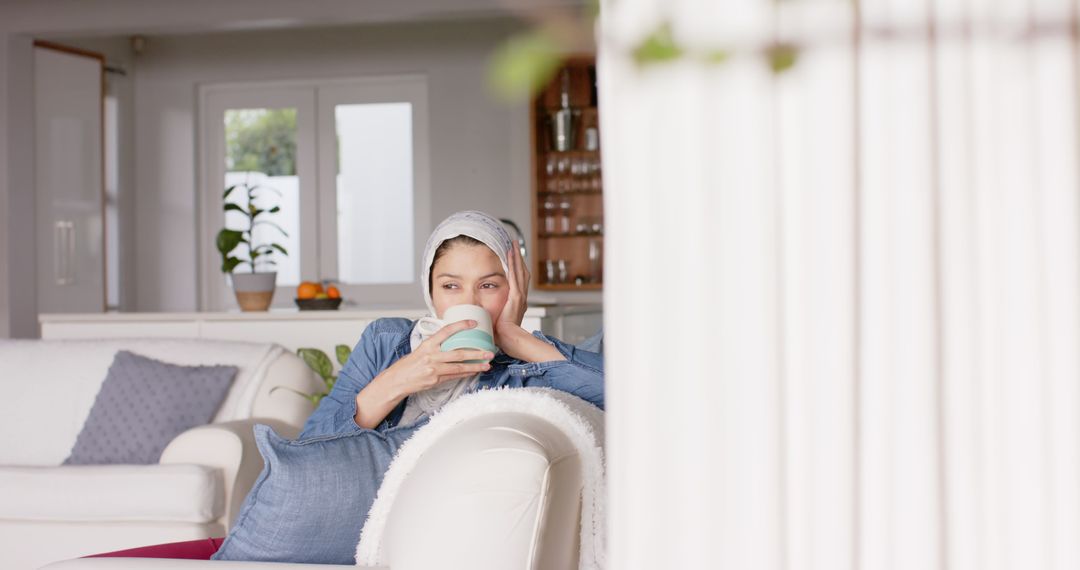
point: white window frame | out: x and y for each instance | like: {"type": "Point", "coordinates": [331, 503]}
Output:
{"type": "Point", "coordinates": [316, 169]}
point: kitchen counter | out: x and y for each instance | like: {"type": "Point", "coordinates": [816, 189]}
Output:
{"type": "Point", "coordinates": [345, 313]}
{"type": "Point", "coordinates": [292, 328]}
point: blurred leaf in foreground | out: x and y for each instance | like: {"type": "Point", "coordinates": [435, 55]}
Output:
{"type": "Point", "coordinates": [524, 64]}
{"type": "Point", "coordinates": [659, 46]}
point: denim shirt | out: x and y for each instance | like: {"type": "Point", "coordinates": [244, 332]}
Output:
{"type": "Point", "coordinates": [385, 341]}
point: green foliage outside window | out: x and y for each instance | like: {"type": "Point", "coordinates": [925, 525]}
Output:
{"type": "Point", "coordinates": [261, 140]}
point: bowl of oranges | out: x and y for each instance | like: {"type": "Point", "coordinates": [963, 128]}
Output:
{"type": "Point", "coordinates": [312, 296]}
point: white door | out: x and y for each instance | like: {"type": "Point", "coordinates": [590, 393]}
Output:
{"type": "Point", "coordinates": [68, 90]}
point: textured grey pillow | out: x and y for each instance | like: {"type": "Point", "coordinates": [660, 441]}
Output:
{"type": "Point", "coordinates": [145, 403]}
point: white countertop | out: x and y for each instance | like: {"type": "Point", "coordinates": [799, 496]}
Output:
{"type": "Point", "coordinates": [345, 313]}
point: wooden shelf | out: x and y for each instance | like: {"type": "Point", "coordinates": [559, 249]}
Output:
{"type": "Point", "coordinates": [582, 252]}
{"type": "Point", "coordinates": [571, 287]}
{"type": "Point", "coordinates": [570, 153]}
{"type": "Point", "coordinates": [589, 192]}
{"type": "Point", "coordinates": [571, 235]}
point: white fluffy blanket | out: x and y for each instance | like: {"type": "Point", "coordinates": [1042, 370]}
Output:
{"type": "Point", "coordinates": [582, 422]}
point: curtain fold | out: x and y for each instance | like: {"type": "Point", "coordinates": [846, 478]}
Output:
{"type": "Point", "coordinates": [843, 328]}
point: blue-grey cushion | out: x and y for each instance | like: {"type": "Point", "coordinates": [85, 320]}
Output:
{"type": "Point", "coordinates": [594, 343]}
{"type": "Point", "coordinates": [312, 497]}
{"type": "Point", "coordinates": [143, 404]}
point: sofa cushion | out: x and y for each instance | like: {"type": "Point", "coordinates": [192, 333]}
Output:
{"type": "Point", "coordinates": [172, 493]}
{"type": "Point", "coordinates": [312, 497]}
{"type": "Point", "coordinates": [145, 403]}
{"type": "Point", "coordinates": [49, 386]}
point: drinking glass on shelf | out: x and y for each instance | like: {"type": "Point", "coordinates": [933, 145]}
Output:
{"type": "Point", "coordinates": [562, 269]}
{"type": "Point", "coordinates": [550, 271]}
{"type": "Point", "coordinates": [551, 183]}
{"type": "Point", "coordinates": [562, 167]}
{"type": "Point", "coordinates": [595, 181]}
{"type": "Point", "coordinates": [565, 209]}
{"type": "Point", "coordinates": [549, 215]}
{"type": "Point", "coordinates": [578, 172]}
{"type": "Point", "coordinates": [596, 260]}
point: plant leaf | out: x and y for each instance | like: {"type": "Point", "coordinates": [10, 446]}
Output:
{"type": "Point", "coordinates": [782, 57]}
{"type": "Point", "coordinates": [317, 361]}
{"type": "Point", "coordinates": [717, 56]}
{"type": "Point", "coordinates": [227, 240]}
{"type": "Point", "coordinates": [523, 64]}
{"type": "Point", "coordinates": [261, 222]}
{"type": "Point", "coordinates": [229, 191]}
{"type": "Point", "coordinates": [274, 210]}
{"type": "Point", "coordinates": [657, 47]}
{"type": "Point", "coordinates": [279, 248]}
{"type": "Point", "coordinates": [313, 398]}
{"type": "Point", "coordinates": [229, 264]}
{"type": "Point", "coordinates": [270, 188]}
{"type": "Point", "coordinates": [342, 353]}
{"type": "Point", "coordinates": [229, 206]}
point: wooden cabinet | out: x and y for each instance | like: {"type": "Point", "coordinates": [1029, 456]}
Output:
{"type": "Point", "coordinates": [567, 181]}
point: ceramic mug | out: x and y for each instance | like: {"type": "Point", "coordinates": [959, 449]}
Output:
{"type": "Point", "coordinates": [481, 337]}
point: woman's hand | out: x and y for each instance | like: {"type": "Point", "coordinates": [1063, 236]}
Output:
{"type": "Point", "coordinates": [516, 304]}
{"type": "Point", "coordinates": [423, 368]}
{"type": "Point", "coordinates": [511, 338]}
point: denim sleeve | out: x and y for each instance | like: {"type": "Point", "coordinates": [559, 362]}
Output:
{"type": "Point", "coordinates": [581, 374]}
{"type": "Point", "coordinates": [337, 411]}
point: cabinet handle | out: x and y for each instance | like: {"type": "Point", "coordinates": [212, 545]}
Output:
{"type": "Point", "coordinates": [63, 251]}
{"type": "Point", "coordinates": [70, 257]}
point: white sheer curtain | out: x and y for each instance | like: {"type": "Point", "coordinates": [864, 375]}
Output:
{"type": "Point", "coordinates": [842, 316]}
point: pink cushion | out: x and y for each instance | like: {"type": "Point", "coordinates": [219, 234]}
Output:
{"type": "Point", "coordinates": [201, 549]}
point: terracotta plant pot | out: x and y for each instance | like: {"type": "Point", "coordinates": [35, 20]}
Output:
{"type": "Point", "coordinates": [254, 291]}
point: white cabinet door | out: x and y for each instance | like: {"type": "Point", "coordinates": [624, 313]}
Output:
{"type": "Point", "coordinates": [68, 182]}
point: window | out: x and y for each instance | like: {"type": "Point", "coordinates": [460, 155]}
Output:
{"type": "Point", "coordinates": [347, 163]}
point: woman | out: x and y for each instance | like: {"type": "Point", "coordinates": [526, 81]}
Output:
{"type": "Point", "coordinates": [398, 374]}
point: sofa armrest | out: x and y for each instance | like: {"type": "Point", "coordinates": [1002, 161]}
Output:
{"type": "Point", "coordinates": [175, 564]}
{"type": "Point", "coordinates": [289, 373]}
{"type": "Point", "coordinates": [229, 446]}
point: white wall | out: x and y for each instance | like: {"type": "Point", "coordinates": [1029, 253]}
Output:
{"type": "Point", "coordinates": [17, 186]}
{"type": "Point", "coordinates": [479, 146]}
{"type": "Point", "coordinates": [5, 239]}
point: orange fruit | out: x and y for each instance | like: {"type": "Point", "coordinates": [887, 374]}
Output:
{"type": "Point", "coordinates": [333, 292]}
{"type": "Point", "coordinates": [308, 290]}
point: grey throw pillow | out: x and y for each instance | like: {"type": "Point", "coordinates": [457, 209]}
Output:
{"type": "Point", "coordinates": [145, 403]}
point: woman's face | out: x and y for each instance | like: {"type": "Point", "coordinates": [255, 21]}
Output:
{"type": "Point", "coordinates": [472, 275]}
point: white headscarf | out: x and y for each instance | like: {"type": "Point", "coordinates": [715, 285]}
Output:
{"type": "Point", "coordinates": [491, 233]}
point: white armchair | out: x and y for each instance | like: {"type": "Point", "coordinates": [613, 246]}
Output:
{"type": "Point", "coordinates": [50, 511]}
{"type": "Point", "coordinates": [499, 486]}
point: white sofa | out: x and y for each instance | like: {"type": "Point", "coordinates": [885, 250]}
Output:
{"type": "Point", "coordinates": [51, 512]}
{"type": "Point", "coordinates": [501, 490]}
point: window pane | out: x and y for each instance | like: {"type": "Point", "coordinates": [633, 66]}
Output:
{"type": "Point", "coordinates": [375, 193]}
{"type": "Point", "coordinates": [261, 151]}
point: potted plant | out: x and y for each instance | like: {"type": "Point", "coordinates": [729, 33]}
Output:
{"type": "Point", "coordinates": [255, 289]}
{"type": "Point", "coordinates": [320, 363]}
